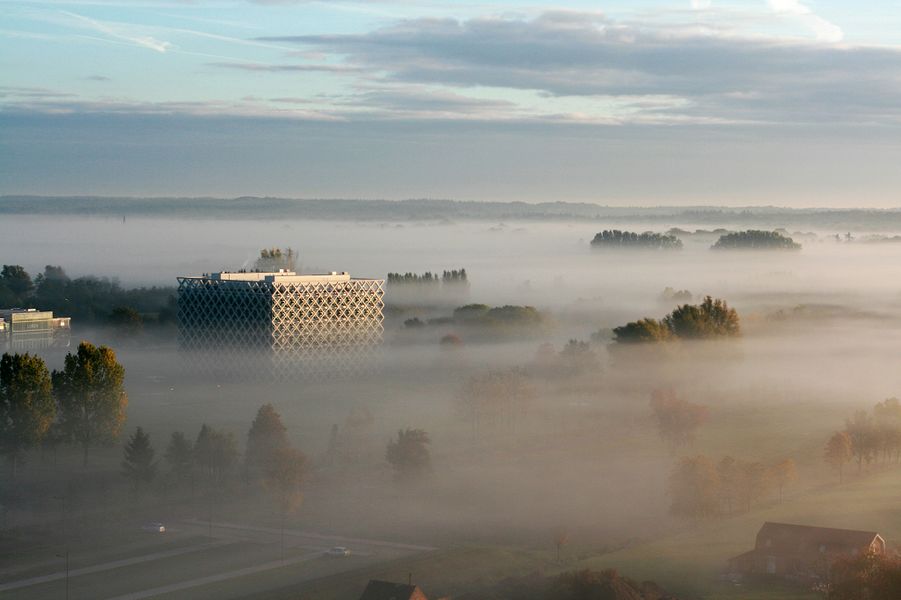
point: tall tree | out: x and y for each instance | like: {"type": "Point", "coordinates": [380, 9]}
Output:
{"type": "Point", "coordinates": [839, 452]}
{"type": "Point", "coordinates": [694, 488]}
{"type": "Point", "coordinates": [179, 456]}
{"type": "Point", "coordinates": [283, 475]}
{"type": "Point", "coordinates": [782, 474]}
{"type": "Point", "coordinates": [864, 438]}
{"type": "Point", "coordinates": [27, 408]}
{"type": "Point", "coordinates": [216, 453]}
{"type": "Point", "coordinates": [17, 282]}
{"type": "Point", "coordinates": [409, 453]}
{"type": "Point", "coordinates": [677, 419]}
{"type": "Point", "coordinates": [138, 465]}
{"type": "Point", "coordinates": [91, 396]}
{"type": "Point", "coordinates": [266, 438]}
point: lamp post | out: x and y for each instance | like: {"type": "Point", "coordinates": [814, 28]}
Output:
{"type": "Point", "coordinates": [66, 556]}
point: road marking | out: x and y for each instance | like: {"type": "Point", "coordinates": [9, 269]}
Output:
{"type": "Point", "coordinates": [320, 536]}
{"type": "Point", "coordinates": [125, 562]}
{"type": "Point", "coordinates": [175, 587]}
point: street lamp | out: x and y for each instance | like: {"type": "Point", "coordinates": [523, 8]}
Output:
{"type": "Point", "coordinates": [67, 571]}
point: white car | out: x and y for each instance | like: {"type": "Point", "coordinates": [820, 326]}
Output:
{"type": "Point", "coordinates": [338, 552]}
{"type": "Point", "coordinates": [153, 528]}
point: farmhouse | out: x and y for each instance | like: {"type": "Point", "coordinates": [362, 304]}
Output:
{"type": "Point", "coordinates": [803, 552]}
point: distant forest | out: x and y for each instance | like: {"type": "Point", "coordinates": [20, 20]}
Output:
{"type": "Point", "coordinates": [765, 217]}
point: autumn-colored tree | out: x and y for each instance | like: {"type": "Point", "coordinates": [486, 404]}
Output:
{"type": "Point", "coordinates": [283, 475]}
{"type": "Point", "coordinates": [864, 438]}
{"type": "Point", "coordinates": [561, 538]}
{"type": "Point", "coordinates": [643, 331]}
{"type": "Point", "coordinates": [783, 473]}
{"type": "Point", "coordinates": [677, 419]}
{"type": "Point", "coordinates": [138, 465]}
{"type": "Point", "coordinates": [694, 488]}
{"type": "Point", "coordinates": [409, 453]}
{"type": "Point", "coordinates": [839, 452]}
{"type": "Point", "coordinates": [865, 577]}
{"type": "Point", "coordinates": [728, 472]}
{"type": "Point", "coordinates": [267, 437]}
{"type": "Point", "coordinates": [709, 319]}
{"type": "Point", "coordinates": [91, 396]}
{"type": "Point", "coordinates": [27, 408]}
{"type": "Point", "coordinates": [753, 482]}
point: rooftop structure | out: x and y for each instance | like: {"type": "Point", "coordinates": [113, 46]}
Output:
{"type": "Point", "coordinates": [299, 325]}
{"type": "Point", "coordinates": [29, 329]}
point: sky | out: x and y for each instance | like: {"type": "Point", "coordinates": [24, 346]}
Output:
{"type": "Point", "coordinates": [782, 102]}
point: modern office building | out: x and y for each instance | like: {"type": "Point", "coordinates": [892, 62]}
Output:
{"type": "Point", "coordinates": [281, 323]}
{"type": "Point", "coordinates": [29, 329]}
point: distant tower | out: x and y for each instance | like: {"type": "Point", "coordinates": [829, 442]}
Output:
{"type": "Point", "coordinates": [281, 324]}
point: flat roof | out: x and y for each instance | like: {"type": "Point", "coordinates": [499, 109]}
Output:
{"type": "Point", "coordinates": [277, 277]}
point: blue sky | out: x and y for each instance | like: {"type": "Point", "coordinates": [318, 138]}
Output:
{"type": "Point", "coordinates": [646, 102]}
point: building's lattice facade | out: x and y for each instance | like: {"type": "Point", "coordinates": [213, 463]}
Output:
{"type": "Point", "coordinates": [283, 324]}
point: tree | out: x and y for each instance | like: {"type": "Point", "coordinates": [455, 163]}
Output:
{"type": "Point", "coordinates": [497, 397]}
{"type": "Point", "coordinates": [27, 408]}
{"type": "Point", "coordinates": [267, 436]}
{"type": "Point", "coordinates": [753, 482]}
{"type": "Point", "coordinates": [215, 452]}
{"type": "Point", "coordinates": [139, 466]}
{"type": "Point", "coordinates": [127, 321]}
{"type": "Point", "coordinates": [273, 259]}
{"type": "Point", "coordinates": [561, 538]}
{"type": "Point", "coordinates": [710, 319]}
{"type": "Point", "coordinates": [578, 357]}
{"type": "Point", "coordinates": [839, 452]}
{"type": "Point", "coordinates": [754, 239]}
{"type": "Point", "coordinates": [694, 488]}
{"type": "Point", "coordinates": [409, 453]}
{"type": "Point", "coordinates": [728, 472]}
{"type": "Point", "coordinates": [283, 475]}
{"type": "Point", "coordinates": [179, 456]}
{"type": "Point", "coordinates": [643, 330]}
{"type": "Point", "coordinates": [677, 419]}
{"type": "Point", "coordinates": [17, 283]}
{"type": "Point", "coordinates": [782, 474]}
{"type": "Point", "coordinates": [864, 438]}
{"type": "Point", "coordinates": [868, 576]}
{"type": "Point", "coordinates": [630, 240]}
{"type": "Point", "coordinates": [91, 396]}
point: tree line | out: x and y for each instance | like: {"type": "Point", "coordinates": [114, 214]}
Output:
{"type": "Point", "coordinates": [711, 319]}
{"type": "Point", "coordinates": [702, 488]}
{"type": "Point", "coordinates": [755, 239]}
{"type": "Point", "coordinates": [867, 438]}
{"type": "Point", "coordinates": [614, 238]}
{"type": "Point", "coordinates": [88, 299]}
{"type": "Point", "coordinates": [83, 404]}
{"type": "Point", "coordinates": [451, 277]}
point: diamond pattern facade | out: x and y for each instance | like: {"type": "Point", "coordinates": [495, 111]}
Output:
{"type": "Point", "coordinates": [284, 324]}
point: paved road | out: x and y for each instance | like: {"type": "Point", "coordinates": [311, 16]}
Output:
{"type": "Point", "coordinates": [116, 564]}
{"type": "Point", "coordinates": [230, 563]}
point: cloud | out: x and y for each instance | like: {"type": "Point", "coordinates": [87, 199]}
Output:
{"type": "Point", "coordinates": [286, 68]}
{"type": "Point", "coordinates": [823, 29]}
{"type": "Point", "coordinates": [716, 74]}
{"type": "Point", "coordinates": [120, 32]}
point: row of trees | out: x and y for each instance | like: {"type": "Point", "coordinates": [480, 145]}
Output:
{"type": "Point", "coordinates": [83, 404]}
{"type": "Point", "coordinates": [699, 487]}
{"type": "Point", "coordinates": [270, 461]}
{"type": "Point", "coordinates": [629, 239]}
{"type": "Point", "coordinates": [85, 299]}
{"type": "Point", "coordinates": [755, 239]}
{"type": "Point", "coordinates": [867, 438]}
{"type": "Point", "coordinates": [452, 277]}
{"type": "Point", "coordinates": [711, 319]}
{"type": "Point", "coordinates": [497, 399]}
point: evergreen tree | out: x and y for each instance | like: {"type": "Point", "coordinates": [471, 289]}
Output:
{"type": "Point", "coordinates": [267, 436]}
{"type": "Point", "coordinates": [179, 456]}
{"type": "Point", "coordinates": [139, 466]}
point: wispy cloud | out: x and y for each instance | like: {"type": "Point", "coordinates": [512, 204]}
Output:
{"type": "Point", "coordinates": [119, 31]}
{"type": "Point", "coordinates": [823, 29]}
